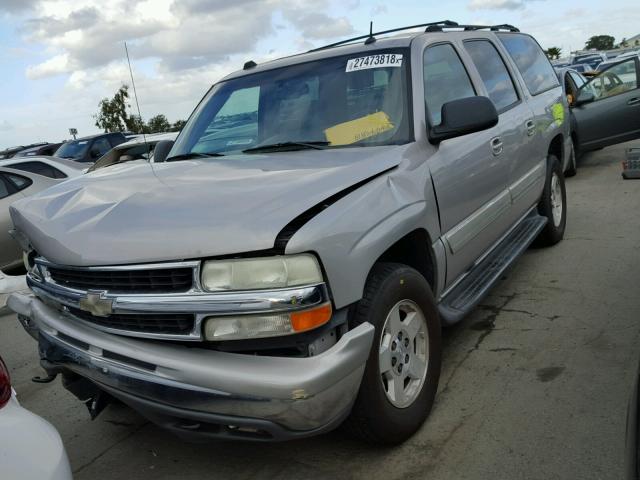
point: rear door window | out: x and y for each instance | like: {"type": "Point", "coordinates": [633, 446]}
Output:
{"type": "Point", "coordinates": [18, 181]}
{"type": "Point", "coordinates": [445, 79]}
{"type": "Point", "coordinates": [533, 64]}
{"type": "Point", "coordinates": [40, 168]}
{"type": "Point", "coordinates": [101, 145]}
{"type": "Point", "coordinates": [494, 73]}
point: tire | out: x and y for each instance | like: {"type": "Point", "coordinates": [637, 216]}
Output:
{"type": "Point", "coordinates": [572, 169]}
{"type": "Point", "coordinates": [374, 417]}
{"type": "Point", "coordinates": [554, 190]}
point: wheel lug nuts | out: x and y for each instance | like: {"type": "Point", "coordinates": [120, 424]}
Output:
{"type": "Point", "coordinates": [406, 342]}
{"type": "Point", "coordinates": [399, 335]}
{"type": "Point", "coordinates": [400, 368]}
{"type": "Point", "coordinates": [406, 358]}
{"type": "Point", "coordinates": [393, 361]}
{"type": "Point", "coordinates": [394, 345]}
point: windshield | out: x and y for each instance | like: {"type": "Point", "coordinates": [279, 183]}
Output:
{"type": "Point", "coordinates": [75, 149]}
{"type": "Point", "coordinates": [356, 100]}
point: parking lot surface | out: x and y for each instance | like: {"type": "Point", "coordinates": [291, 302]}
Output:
{"type": "Point", "coordinates": [535, 382]}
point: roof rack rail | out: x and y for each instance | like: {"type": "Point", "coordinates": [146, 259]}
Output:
{"type": "Point", "coordinates": [443, 23]}
{"type": "Point", "coordinates": [493, 28]}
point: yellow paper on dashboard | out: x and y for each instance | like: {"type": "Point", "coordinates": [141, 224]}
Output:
{"type": "Point", "coordinates": [355, 130]}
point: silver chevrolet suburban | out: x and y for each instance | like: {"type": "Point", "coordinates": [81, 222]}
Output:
{"type": "Point", "coordinates": [286, 266]}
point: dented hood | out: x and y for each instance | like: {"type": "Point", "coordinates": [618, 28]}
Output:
{"type": "Point", "coordinates": [140, 212]}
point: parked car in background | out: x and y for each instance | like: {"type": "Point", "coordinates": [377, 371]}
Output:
{"type": "Point", "coordinates": [589, 60]}
{"type": "Point", "coordinates": [10, 152]}
{"type": "Point", "coordinates": [14, 185]}
{"type": "Point", "coordinates": [30, 447]}
{"type": "Point", "coordinates": [91, 148]}
{"type": "Point", "coordinates": [580, 68]}
{"type": "Point", "coordinates": [51, 167]}
{"type": "Point", "coordinates": [47, 149]}
{"type": "Point", "coordinates": [606, 109]}
{"type": "Point", "coordinates": [140, 147]}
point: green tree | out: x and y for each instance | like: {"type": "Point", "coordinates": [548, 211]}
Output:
{"type": "Point", "coordinates": [600, 42]}
{"type": "Point", "coordinates": [112, 113]}
{"type": "Point", "coordinates": [136, 125]}
{"type": "Point", "coordinates": [157, 124]}
{"type": "Point", "coordinates": [553, 53]}
{"type": "Point", "coordinates": [178, 125]}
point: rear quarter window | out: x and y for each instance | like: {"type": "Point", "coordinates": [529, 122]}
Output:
{"type": "Point", "coordinates": [533, 64]}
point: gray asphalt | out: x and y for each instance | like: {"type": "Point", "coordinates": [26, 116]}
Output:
{"type": "Point", "coordinates": [535, 382]}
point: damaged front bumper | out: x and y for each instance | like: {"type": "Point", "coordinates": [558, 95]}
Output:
{"type": "Point", "coordinates": [198, 392]}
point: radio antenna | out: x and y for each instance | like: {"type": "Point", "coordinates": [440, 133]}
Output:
{"type": "Point", "coordinates": [135, 95]}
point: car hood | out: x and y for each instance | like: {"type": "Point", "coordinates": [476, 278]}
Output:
{"type": "Point", "coordinates": [136, 213]}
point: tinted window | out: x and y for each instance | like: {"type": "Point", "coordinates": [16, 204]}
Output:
{"type": "Point", "coordinates": [578, 79]}
{"type": "Point", "coordinates": [73, 150]}
{"type": "Point", "coordinates": [533, 64]}
{"type": "Point", "coordinates": [18, 181]}
{"type": "Point", "coordinates": [493, 72]}
{"type": "Point", "coordinates": [100, 146]}
{"type": "Point", "coordinates": [4, 190]}
{"type": "Point", "coordinates": [38, 167]}
{"type": "Point", "coordinates": [445, 79]}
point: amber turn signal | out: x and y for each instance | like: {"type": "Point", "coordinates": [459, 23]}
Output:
{"type": "Point", "coordinates": [312, 318]}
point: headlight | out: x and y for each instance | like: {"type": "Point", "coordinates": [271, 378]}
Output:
{"type": "Point", "coordinates": [243, 327]}
{"type": "Point", "coordinates": [260, 273]}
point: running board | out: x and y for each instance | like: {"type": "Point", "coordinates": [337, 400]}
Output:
{"type": "Point", "coordinates": [472, 289]}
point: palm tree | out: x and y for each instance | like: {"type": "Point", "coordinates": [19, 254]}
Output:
{"type": "Point", "coordinates": [553, 53]}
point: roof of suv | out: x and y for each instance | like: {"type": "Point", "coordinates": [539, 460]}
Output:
{"type": "Point", "coordinates": [362, 43]}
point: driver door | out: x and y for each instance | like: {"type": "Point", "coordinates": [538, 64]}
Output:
{"type": "Point", "coordinates": [607, 110]}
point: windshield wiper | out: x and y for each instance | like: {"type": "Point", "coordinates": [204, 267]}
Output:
{"type": "Point", "coordinates": [190, 155]}
{"type": "Point", "coordinates": [284, 146]}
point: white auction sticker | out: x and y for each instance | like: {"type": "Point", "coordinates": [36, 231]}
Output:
{"type": "Point", "coordinates": [374, 61]}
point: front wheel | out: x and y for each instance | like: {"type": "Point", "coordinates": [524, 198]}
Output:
{"type": "Point", "coordinates": [553, 205]}
{"type": "Point", "coordinates": [401, 376]}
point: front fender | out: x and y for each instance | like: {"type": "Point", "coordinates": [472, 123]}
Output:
{"type": "Point", "coordinates": [353, 233]}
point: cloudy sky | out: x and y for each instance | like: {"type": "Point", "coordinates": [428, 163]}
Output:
{"type": "Point", "coordinates": [58, 58]}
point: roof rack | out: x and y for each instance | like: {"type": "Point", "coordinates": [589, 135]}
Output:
{"type": "Point", "coordinates": [493, 28]}
{"type": "Point", "coordinates": [430, 27]}
{"type": "Point", "coordinates": [444, 23]}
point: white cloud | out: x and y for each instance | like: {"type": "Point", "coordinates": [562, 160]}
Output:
{"type": "Point", "coordinates": [496, 4]}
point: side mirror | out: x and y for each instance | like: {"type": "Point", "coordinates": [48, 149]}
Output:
{"type": "Point", "coordinates": [584, 97]}
{"type": "Point", "coordinates": [464, 116]}
{"type": "Point", "coordinates": [163, 147]}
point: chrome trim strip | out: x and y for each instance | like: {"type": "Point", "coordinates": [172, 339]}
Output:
{"type": "Point", "coordinates": [521, 186]}
{"type": "Point", "coordinates": [474, 224]}
{"type": "Point", "coordinates": [200, 303]}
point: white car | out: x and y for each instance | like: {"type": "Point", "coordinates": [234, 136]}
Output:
{"type": "Point", "coordinates": [51, 167]}
{"type": "Point", "coordinates": [30, 447]}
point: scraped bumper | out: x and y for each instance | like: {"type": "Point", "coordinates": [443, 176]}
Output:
{"type": "Point", "coordinates": [199, 392]}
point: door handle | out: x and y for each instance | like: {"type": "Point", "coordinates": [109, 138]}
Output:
{"type": "Point", "coordinates": [634, 101]}
{"type": "Point", "coordinates": [496, 146]}
{"type": "Point", "coordinates": [531, 128]}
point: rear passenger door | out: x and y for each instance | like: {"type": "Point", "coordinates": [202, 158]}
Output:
{"type": "Point", "coordinates": [547, 106]}
{"type": "Point", "coordinates": [470, 172]}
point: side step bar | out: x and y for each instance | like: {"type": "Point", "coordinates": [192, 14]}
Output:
{"type": "Point", "coordinates": [472, 289]}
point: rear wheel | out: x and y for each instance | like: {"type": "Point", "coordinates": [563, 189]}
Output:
{"type": "Point", "coordinates": [401, 376]}
{"type": "Point", "coordinates": [553, 205]}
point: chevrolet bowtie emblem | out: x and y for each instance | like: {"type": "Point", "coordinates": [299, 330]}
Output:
{"type": "Point", "coordinates": [96, 304]}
